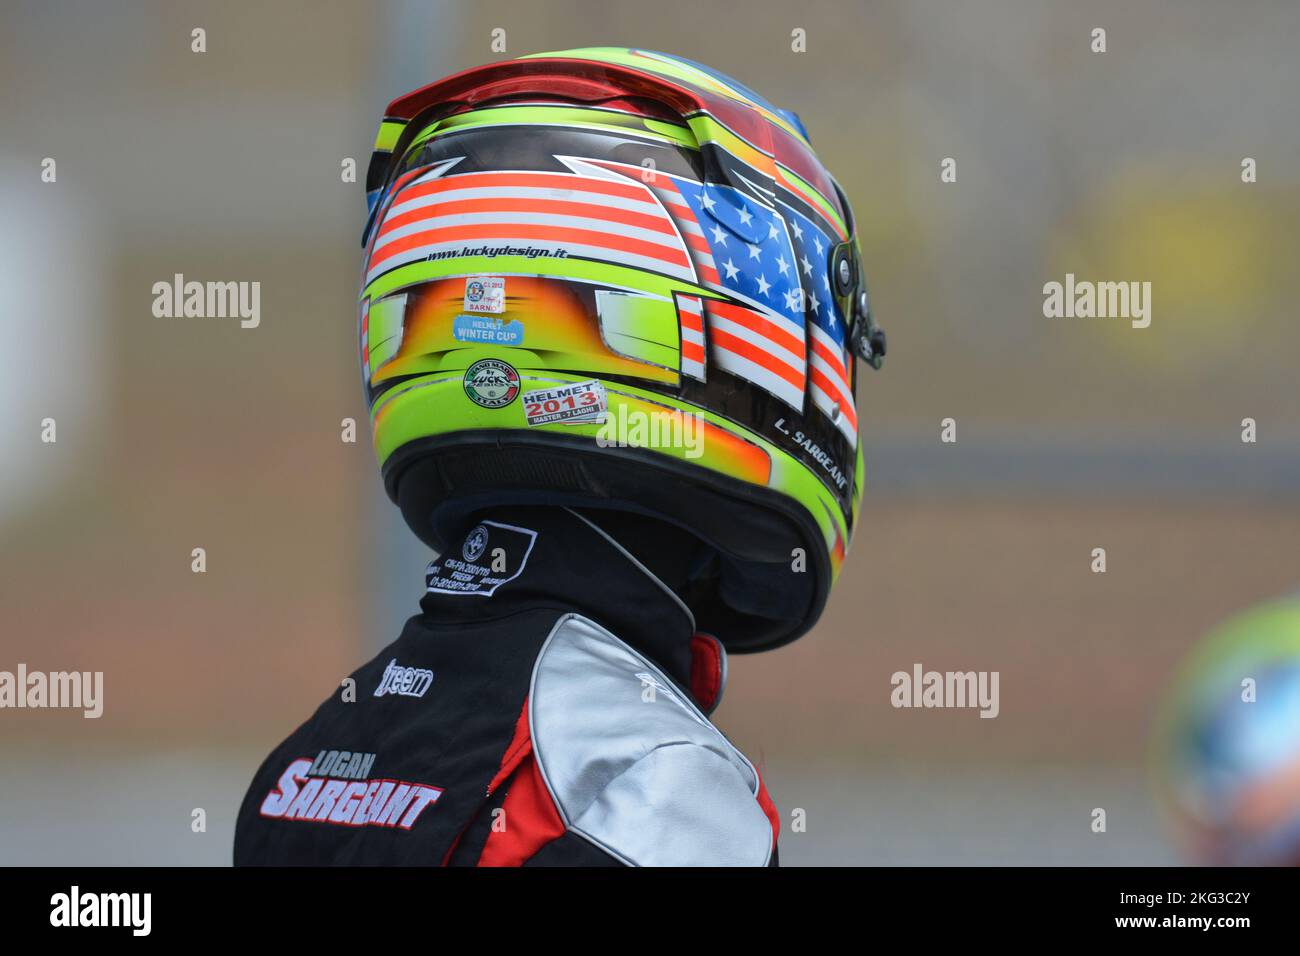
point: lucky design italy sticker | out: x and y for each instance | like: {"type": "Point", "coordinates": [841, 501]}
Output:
{"type": "Point", "coordinates": [491, 383]}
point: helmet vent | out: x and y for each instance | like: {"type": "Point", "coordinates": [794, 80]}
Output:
{"type": "Point", "coordinates": [502, 468]}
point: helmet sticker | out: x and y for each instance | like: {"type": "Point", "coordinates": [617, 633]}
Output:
{"type": "Point", "coordinates": [485, 294]}
{"type": "Point", "coordinates": [491, 383]}
{"type": "Point", "coordinates": [487, 330]}
{"type": "Point", "coordinates": [579, 403]}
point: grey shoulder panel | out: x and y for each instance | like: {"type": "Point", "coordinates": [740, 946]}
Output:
{"type": "Point", "coordinates": [632, 765]}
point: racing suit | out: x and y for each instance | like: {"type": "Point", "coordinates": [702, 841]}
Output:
{"type": "Point", "coordinates": [546, 708]}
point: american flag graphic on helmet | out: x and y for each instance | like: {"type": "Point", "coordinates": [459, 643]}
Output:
{"type": "Point", "coordinates": [830, 363]}
{"type": "Point", "coordinates": [773, 338]}
{"type": "Point", "coordinates": [760, 338]}
{"type": "Point", "coordinates": [532, 213]}
{"type": "Point", "coordinates": [741, 247]}
{"type": "Point", "coordinates": [787, 337]}
{"type": "Point", "coordinates": [778, 326]}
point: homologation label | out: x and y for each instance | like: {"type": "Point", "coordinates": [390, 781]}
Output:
{"type": "Point", "coordinates": [577, 403]}
{"type": "Point", "coordinates": [492, 554]}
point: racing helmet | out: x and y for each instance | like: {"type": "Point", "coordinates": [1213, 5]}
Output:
{"type": "Point", "coordinates": [1228, 747]}
{"type": "Point", "coordinates": [612, 278]}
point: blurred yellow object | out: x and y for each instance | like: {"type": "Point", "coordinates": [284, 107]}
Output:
{"type": "Point", "coordinates": [1215, 251]}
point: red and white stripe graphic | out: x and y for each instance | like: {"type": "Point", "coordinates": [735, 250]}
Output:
{"type": "Point", "coordinates": [671, 196]}
{"type": "Point", "coordinates": [609, 220]}
{"type": "Point", "coordinates": [690, 310]}
{"type": "Point", "coordinates": [830, 382]}
{"type": "Point", "coordinates": [365, 339]}
{"type": "Point", "coordinates": [675, 203]}
{"type": "Point", "coordinates": [767, 350]}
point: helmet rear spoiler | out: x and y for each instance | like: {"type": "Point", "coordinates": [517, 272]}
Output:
{"type": "Point", "coordinates": [770, 138]}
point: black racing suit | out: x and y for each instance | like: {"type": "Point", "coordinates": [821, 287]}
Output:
{"type": "Point", "coordinates": [543, 709]}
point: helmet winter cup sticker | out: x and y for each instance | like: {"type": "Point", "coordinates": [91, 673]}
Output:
{"type": "Point", "coordinates": [682, 336]}
{"type": "Point", "coordinates": [491, 383]}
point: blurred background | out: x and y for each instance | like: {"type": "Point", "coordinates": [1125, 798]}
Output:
{"type": "Point", "coordinates": [1072, 434]}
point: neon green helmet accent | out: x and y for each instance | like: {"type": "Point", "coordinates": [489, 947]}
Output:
{"type": "Point", "coordinates": [614, 278]}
